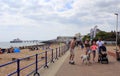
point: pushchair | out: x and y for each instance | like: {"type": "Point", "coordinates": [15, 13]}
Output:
{"type": "Point", "coordinates": [102, 57]}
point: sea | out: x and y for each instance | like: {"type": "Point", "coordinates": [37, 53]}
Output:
{"type": "Point", "coordinates": [4, 45]}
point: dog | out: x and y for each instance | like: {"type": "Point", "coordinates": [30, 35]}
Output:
{"type": "Point", "coordinates": [72, 62]}
{"type": "Point", "coordinates": [85, 59]}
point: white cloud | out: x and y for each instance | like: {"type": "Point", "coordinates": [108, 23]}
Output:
{"type": "Point", "coordinates": [47, 19]}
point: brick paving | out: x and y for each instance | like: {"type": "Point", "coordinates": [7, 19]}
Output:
{"type": "Point", "coordinates": [94, 69]}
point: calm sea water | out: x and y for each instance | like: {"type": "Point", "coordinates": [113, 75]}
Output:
{"type": "Point", "coordinates": [8, 44]}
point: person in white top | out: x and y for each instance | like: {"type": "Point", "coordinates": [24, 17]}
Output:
{"type": "Point", "coordinates": [99, 44]}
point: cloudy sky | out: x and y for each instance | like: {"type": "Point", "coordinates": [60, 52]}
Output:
{"type": "Point", "coordinates": [47, 19]}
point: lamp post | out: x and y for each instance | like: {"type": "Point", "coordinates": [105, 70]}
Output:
{"type": "Point", "coordinates": [116, 29]}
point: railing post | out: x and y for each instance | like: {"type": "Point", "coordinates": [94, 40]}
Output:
{"type": "Point", "coordinates": [52, 57]}
{"type": "Point", "coordinates": [62, 50]}
{"type": "Point", "coordinates": [36, 62]}
{"type": "Point", "coordinates": [18, 67]}
{"type": "Point", "coordinates": [59, 51]}
{"type": "Point", "coordinates": [65, 49]}
{"type": "Point", "coordinates": [56, 53]}
{"type": "Point", "coordinates": [46, 60]}
{"type": "Point", "coordinates": [36, 69]}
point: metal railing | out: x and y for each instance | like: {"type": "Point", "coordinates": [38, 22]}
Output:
{"type": "Point", "coordinates": [54, 54]}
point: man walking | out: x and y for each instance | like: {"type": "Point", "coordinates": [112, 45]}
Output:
{"type": "Point", "coordinates": [99, 44]}
{"type": "Point", "coordinates": [72, 53]}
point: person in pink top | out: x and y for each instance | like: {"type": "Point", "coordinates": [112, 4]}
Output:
{"type": "Point", "coordinates": [93, 48]}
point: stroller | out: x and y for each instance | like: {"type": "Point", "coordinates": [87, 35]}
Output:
{"type": "Point", "coordinates": [102, 58]}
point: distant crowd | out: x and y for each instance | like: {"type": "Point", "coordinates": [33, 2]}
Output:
{"type": "Point", "coordinates": [17, 49]}
{"type": "Point", "coordinates": [10, 50]}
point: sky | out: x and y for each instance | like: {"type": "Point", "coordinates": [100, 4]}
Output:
{"type": "Point", "coordinates": [47, 19]}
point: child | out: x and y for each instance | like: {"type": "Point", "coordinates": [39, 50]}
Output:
{"type": "Point", "coordinates": [94, 48]}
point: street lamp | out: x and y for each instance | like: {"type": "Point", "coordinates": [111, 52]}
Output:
{"type": "Point", "coordinates": [116, 29]}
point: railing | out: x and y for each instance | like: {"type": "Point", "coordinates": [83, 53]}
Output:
{"type": "Point", "coordinates": [49, 57]}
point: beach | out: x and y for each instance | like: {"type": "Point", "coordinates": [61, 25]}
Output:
{"type": "Point", "coordinates": [7, 57]}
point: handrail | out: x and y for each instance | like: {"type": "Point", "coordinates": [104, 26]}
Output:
{"type": "Point", "coordinates": [8, 63]}
{"type": "Point", "coordinates": [27, 66]}
{"type": "Point", "coordinates": [58, 52]}
{"type": "Point", "coordinates": [12, 73]}
{"type": "Point", "coordinates": [26, 57]}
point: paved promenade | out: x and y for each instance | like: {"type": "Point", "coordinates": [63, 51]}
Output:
{"type": "Point", "coordinates": [63, 68]}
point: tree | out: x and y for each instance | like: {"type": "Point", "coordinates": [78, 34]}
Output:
{"type": "Point", "coordinates": [107, 36]}
{"type": "Point", "coordinates": [86, 37]}
{"type": "Point", "coordinates": [101, 34]}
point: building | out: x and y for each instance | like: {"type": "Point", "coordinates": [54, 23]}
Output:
{"type": "Point", "coordinates": [64, 38]}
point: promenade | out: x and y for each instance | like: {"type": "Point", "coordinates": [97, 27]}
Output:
{"type": "Point", "coordinates": [61, 67]}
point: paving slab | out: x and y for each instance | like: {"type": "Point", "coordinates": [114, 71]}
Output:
{"type": "Point", "coordinates": [54, 67]}
{"type": "Point", "coordinates": [94, 69]}
{"type": "Point", "coordinates": [61, 67]}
